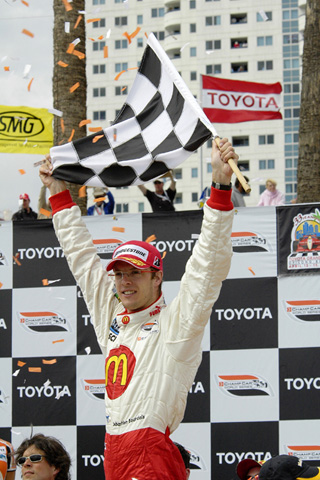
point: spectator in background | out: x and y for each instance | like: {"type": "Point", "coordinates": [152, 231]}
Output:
{"type": "Point", "coordinates": [44, 206]}
{"type": "Point", "coordinates": [43, 458]}
{"type": "Point", "coordinates": [7, 463]}
{"type": "Point", "coordinates": [288, 467]}
{"type": "Point", "coordinates": [248, 468]}
{"type": "Point", "coordinates": [25, 212]}
{"type": "Point", "coordinates": [271, 196]}
{"type": "Point", "coordinates": [101, 207]}
{"type": "Point", "coordinates": [185, 457]}
{"type": "Point", "coordinates": [238, 194]}
{"type": "Point", "coordinates": [161, 200]}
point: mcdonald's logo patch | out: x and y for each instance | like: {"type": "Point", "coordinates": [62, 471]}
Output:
{"type": "Point", "coordinates": [119, 366]}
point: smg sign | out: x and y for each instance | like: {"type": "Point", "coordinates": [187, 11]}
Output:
{"type": "Point", "coordinates": [15, 124]}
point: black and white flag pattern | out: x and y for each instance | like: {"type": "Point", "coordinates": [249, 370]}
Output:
{"type": "Point", "coordinates": [159, 126]}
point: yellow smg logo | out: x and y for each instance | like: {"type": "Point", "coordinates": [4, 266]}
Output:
{"type": "Point", "coordinates": [119, 366]}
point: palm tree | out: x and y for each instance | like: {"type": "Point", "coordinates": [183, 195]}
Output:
{"type": "Point", "coordinates": [309, 133]}
{"type": "Point", "coordinates": [71, 103]}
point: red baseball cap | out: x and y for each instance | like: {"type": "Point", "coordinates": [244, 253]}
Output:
{"type": "Point", "coordinates": [24, 196]}
{"type": "Point", "coordinates": [138, 254]}
{"type": "Point", "coordinates": [244, 466]}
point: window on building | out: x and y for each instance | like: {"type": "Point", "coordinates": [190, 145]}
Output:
{"type": "Point", "coordinates": [141, 207]}
{"type": "Point", "coordinates": [266, 139]}
{"type": "Point", "coordinates": [139, 19]}
{"type": "Point", "coordinates": [264, 16]}
{"type": "Point", "coordinates": [270, 164]}
{"type": "Point", "coordinates": [262, 164]}
{"type": "Point", "coordinates": [296, 87]}
{"type": "Point", "coordinates": [139, 42]}
{"type": "Point", "coordinates": [98, 2]}
{"type": "Point", "coordinates": [122, 90]}
{"type": "Point", "coordinates": [264, 41]}
{"type": "Point", "coordinates": [99, 23]}
{"type": "Point", "coordinates": [160, 35]}
{"type": "Point", "coordinates": [194, 172]}
{"type": "Point", "coordinates": [239, 42]}
{"type": "Point", "coordinates": [98, 69]}
{"type": "Point", "coordinates": [193, 51]}
{"type": "Point", "coordinates": [178, 173]}
{"type": "Point", "coordinates": [120, 21]}
{"type": "Point", "coordinates": [194, 197]}
{"type": "Point", "coordinates": [99, 115]}
{"type": "Point", "coordinates": [99, 92]}
{"type": "Point", "coordinates": [157, 12]}
{"type": "Point", "coordinates": [193, 27]}
{"type": "Point", "coordinates": [178, 198]}
{"type": "Point", "coordinates": [239, 67]}
{"type": "Point", "coordinates": [122, 207]}
{"type": "Point", "coordinates": [244, 165]}
{"type": "Point", "coordinates": [209, 168]}
{"type": "Point", "coordinates": [193, 76]}
{"type": "Point", "coordinates": [265, 65]}
{"type": "Point", "coordinates": [213, 45]}
{"type": "Point", "coordinates": [98, 46]}
{"type": "Point", "coordinates": [213, 69]}
{"type": "Point", "coordinates": [215, 20]}
{"type": "Point", "coordinates": [192, 4]}
{"type": "Point", "coordinates": [238, 18]}
{"type": "Point", "coordinates": [121, 44]}
{"type": "Point", "coordinates": [119, 67]}
{"type": "Point", "coordinates": [242, 141]}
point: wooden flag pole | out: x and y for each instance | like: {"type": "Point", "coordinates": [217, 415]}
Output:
{"type": "Point", "coordinates": [236, 170]}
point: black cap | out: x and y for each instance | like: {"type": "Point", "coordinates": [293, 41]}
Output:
{"type": "Point", "coordinates": [288, 467]}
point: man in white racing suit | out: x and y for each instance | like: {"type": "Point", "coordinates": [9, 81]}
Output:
{"type": "Point", "coordinates": [152, 350]}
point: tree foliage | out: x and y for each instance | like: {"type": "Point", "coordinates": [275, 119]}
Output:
{"type": "Point", "coordinates": [309, 133]}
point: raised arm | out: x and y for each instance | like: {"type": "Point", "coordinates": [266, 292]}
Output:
{"type": "Point", "coordinates": [45, 174]}
{"type": "Point", "coordinates": [143, 189]}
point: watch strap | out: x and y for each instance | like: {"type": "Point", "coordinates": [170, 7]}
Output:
{"type": "Point", "coordinates": [220, 186]}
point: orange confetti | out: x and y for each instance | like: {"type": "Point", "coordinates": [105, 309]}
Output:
{"type": "Point", "coordinates": [21, 363]}
{"type": "Point", "coordinates": [84, 122]}
{"type": "Point", "coordinates": [251, 270]}
{"type": "Point", "coordinates": [6, 69]}
{"type": "Point", "coordinates": [71, 136]}
{"type": "Point", "coordinates": [61, 142]}
{"type": "Point", "coordinates": [119, 74]}
{"type": "Point", "coordinates": [90, 20]}
{"type": "Point", "coordinates": [77, 22]}
{"type": "Point", "coordinates": [118, 229]}
{"type": "Point", "coordinates": [62, 64]}
{"type": "Point", "coordinates": [22, 171]}
{"type": "Point", "coordinates": [29, 84]}
{"type": "Point", "coordinates": [35, 369]}
{"type": "Point", "coordinates": [78, 54]}
{"type": "Point", "coordinates": [45, 282]}
{"type": "Point", "coordinates": [146, 34]}
{"type": "Point", "coordinates": [25, 3]}
{"type": "Point", "coordinates": [67, 5]}
{"type": "Point", "coordinates": [45, 212]}
{"type": "Point", "coordinates": [62, 124]}
{"type": "Point", "coordinates": [27, 32]}
{"type": "Point", "coordinates": [105, 52]}
{"type": "Point", "coordinates": [70, 48]}
{"type": "Point", "coordinates": [92, 39]}
{"type": "Point", "coordinates": [99, 199]}
{"type": "Point", "coordinates": [1, 285]}
{"type": "Point", "coordinates": [133, 68]}
{"type": "Point", "coordinates": [49, 362]}
{"type": "Point", "coordinates": [164, 254]}
{"type": "Point", "coordinates": [96, 138]}
{"type": "Point", "coordinates": [58, 341]}
{"type": "Point", "coordinates": [151, 238]}
{"type": "Point", "coordinates": [15, 258]}
{"type": "Point", "coordinates": [74, 87]}
{"type": "Point", "coordinates": [94, 129]}
{"type": "Point", "coordinates": [82, 192]}
{"type": "Point", "coordinates": [123, 89]}
{"type": "Point", "coordinates": [133, 34]}
{"type": "Point", "coordinates": [126, 34]}
{"type": "Point", "coordinates": [101, 37]}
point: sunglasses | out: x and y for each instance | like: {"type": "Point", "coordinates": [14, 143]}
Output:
{"type": "Point", "coordinates": [35, 458]}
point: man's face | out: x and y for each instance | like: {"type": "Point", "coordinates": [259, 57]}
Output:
{"type": "Point", "coordinates": [158, 186]}
{"type": "Point", "coordinates": [25, 203]}
{"type": "Point", "coordinates": [136, 292]}
{"type": "Point", "coordinates": [270, 187]}
{"type": "Point", "coordinates": [37, 471]}
{"type": "Point", "coordinates": [253, 471]}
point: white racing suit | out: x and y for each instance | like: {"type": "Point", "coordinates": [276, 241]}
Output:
{"type": "Point", "coordinates": [152, 355]}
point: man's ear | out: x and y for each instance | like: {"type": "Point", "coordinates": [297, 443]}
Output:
{"type": "Point", "coordinates": [158, 277]}
{"type": "Point", "coordinates": [55, 471]}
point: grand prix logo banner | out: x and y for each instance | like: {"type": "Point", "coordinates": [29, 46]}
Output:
{"type": "Point", "coordinates": [25, 130]}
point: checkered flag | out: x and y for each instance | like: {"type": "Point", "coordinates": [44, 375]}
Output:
{"type": "Point", "coordinates": [158, 127]}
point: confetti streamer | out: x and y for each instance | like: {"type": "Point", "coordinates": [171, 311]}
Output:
{"type": "Point", "coordinates": [29, 84]}
{"type": "Point", "coordinates": [118, 229]}
{"type": "Point", "coordinates": [58, 341]}
{"type": "Point", "coordinates": [16, 373]}
{"type": "Point", "coordinates": [45, 212]}
{"type": "Point", "coordinates": [105, 52]}
{"type": "Point", "coordinates": [101, 37]}
{"type": "Point", "coordinates": [35, 369]}
{"type": "Point", "coordinates": [49, 362]}
{"type": "Point", "coordinates": [15, 258]}
{"type": "Point", "coordinates": [20, 363]}
{"type": "Point", "coordinates": [26, 71]}
{"type": "Point", "coordinates": [45, 282]}
{"type": "Point", "coordinates": [82, 192]}
{"type": "Point", "coordinates": [1, 285]}
{"type": "Point", "coordinates": [62, 64]}
{"type": "Point", "coordinates": [94, 129]}
{"type": "Point", "coordinates": [78, 54]}
{"type": "Point", "coordinates": [151, 238]}
{"type": "Point", "coordinates": [76, 41]}
{"type": "Point", "coordinates": [25, 3]}
{"type": "Point", "coordinates": [6, 69]}
{"type": "Point", "coordinates": [22, 171]}
{"type": "Point", "coordinates": [123, 89]}
{"type": "Point", "coordinates": [72, 134]}
{"type": "Point", "coordinates": [27, 32]}
{"type": "Point", "coordinates": [54, 111]}
{"type": "Point", "coordinates": [84, 122]}
{"type": "Point", "coordinates": [77, 22]}
{"type": "Point", "coordinates": [251, 270]}
{"type": "Point", "coordinates": [62, 125]}
{"type": "Point", "coordinates": [119, 74]}
{"type": "Point", "coordinates": [87, 350]}
{"type": "Point", "coordinates": [90, 20]}
{"type": "Point", "coordinates": [96, 138]}
{"type": "Point", "coordinates": [70, 48]}
{"type": "Point", "coordinates": [67, 27]}
{"type": "Point", "coordinates": [74, 87]}
{"type": "Point", "coordinates": [67, 5]}
{"type": "Point", "coordinates": [99, 199]}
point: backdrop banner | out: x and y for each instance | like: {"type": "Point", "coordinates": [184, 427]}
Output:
{"type": "Point", "coordinates": [257, 391]}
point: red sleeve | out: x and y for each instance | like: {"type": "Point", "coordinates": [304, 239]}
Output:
{"type": "Point", "coordinates": [60, 201]}
{"type": "Point", "coordinates": [220, 199]}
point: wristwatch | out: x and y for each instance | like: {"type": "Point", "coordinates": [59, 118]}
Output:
{"type": "Point", "coordinates": [220, 186]}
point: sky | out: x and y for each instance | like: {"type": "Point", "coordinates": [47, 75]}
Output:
{"type": "Point", "coordinates": [16, 51]}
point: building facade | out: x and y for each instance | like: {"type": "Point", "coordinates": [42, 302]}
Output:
{"type": "Point", "coordinates": [233, 39]}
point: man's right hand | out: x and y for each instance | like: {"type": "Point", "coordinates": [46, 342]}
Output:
{"type": "Point", "coordinates": [45, 174]}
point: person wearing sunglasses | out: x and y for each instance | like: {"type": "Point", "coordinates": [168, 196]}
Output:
{"type": "Point", "coordinates": [161, 200]}
{"type": "Point", "coordinates": [152, 350]}
{"type": "Point", "coordinates": [43, 458]}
